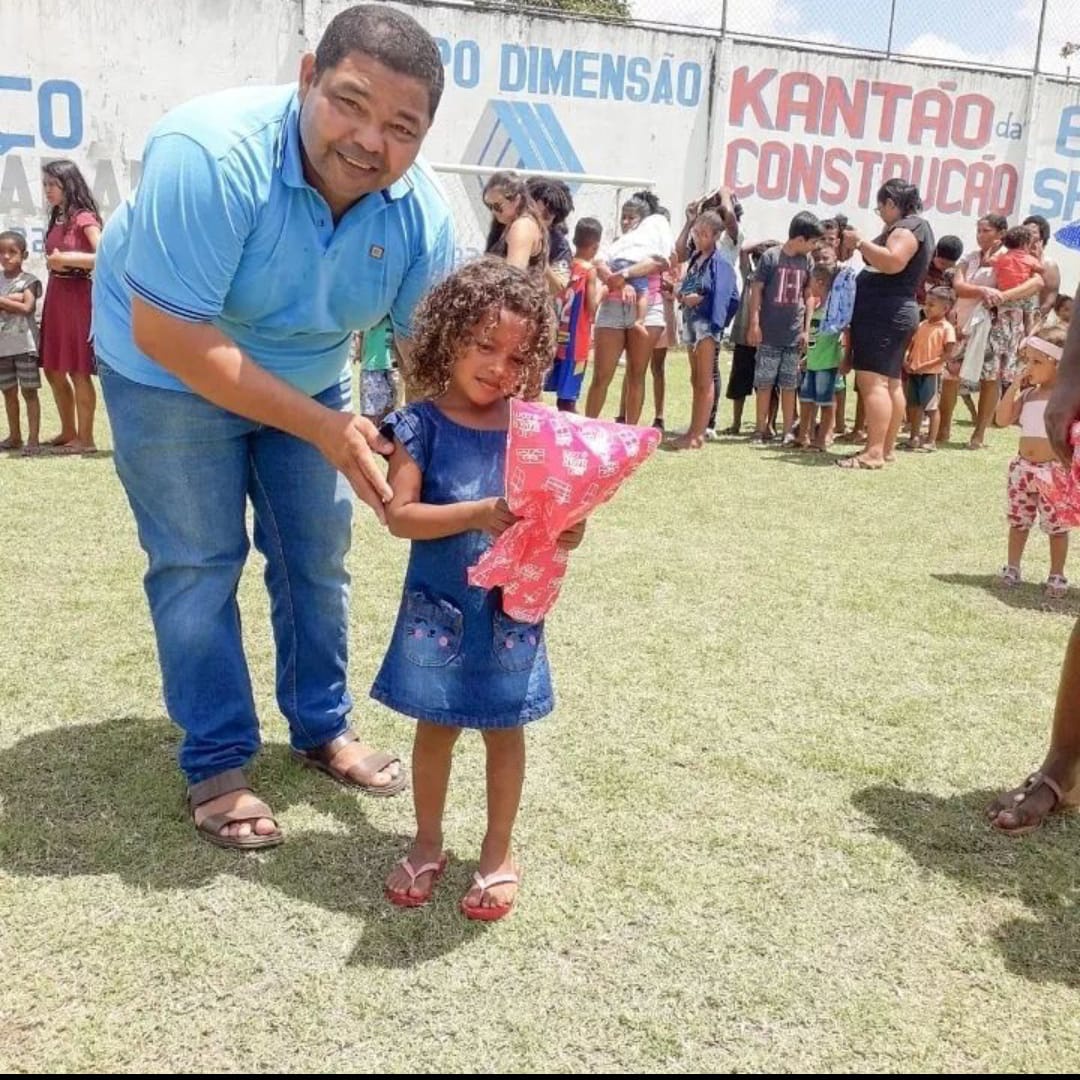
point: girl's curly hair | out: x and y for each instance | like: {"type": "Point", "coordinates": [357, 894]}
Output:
{"type": "Point", "coordinates": [468, 301]}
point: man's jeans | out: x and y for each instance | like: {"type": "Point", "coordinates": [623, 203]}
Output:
{"type": "Point", "coordinates": [188, 468]}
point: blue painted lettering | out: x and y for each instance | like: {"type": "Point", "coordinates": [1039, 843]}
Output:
{"type": "Point", "coordinates": [586, 69]}
{"type": "Point", "coordinates": [514, 68]}
{"type": "Point", "coordinates": [662, 89]}
{"type": "Point", "coordinates": [612, 77]}
{"type": "Point", "coordinates": [637, 79]}
{"type": "Point", "coordinates": [688, 84]}
{"type": "Point", "coordinates": [1068, 140]}
{"type": "Point", "coordinates": [556, 73]}
{"type": "Point", "coordinates": [49, 93]}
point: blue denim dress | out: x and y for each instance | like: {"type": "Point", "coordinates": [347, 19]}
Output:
{"type": "Point", "coordinates": [455, 658]}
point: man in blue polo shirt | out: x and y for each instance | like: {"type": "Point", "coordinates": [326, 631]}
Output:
{"type": "Point", "coordinates": [269, 224]}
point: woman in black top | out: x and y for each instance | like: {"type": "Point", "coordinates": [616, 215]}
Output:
{"type": "Point", "coordinates": [516, 233]}
{"type": "Point", "coordinates": [886, 315]}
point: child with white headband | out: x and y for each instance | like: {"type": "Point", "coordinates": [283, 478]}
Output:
{"type": "Point", "coordinates": [1035, 464]}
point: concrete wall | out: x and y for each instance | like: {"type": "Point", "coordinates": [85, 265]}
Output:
{"type": "Point", "coordinates": [788, 128]}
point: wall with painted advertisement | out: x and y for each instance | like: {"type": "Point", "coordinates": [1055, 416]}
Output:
{"type": "Point", "coordinates": [541, 94]}
{"type": "Point", "coordinates": [1053, 179]}
{"type": "Point", "coordinates": [788, 128]}
{"type": "Point", "coordinates": [87, 81]}
{"type": "Point", "coordinates": [803, 130]}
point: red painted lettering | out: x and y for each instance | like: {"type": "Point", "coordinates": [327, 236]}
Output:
{"type": "Point", "coordinates": [946, 203]}
{"type": "Point", "coordinates": [774, 157]}
{"type": "Point", "coordinates": [977, 185]}
{"type": "Point", "coordinates": [931, 110]}
{"type": "Point", "coordinates": [746, 94]}
{"type": "Point", "coordinates": [800, 95]}
{"type": "Point", "coordinates": [1004, 190]}
{"type": "Point", "coordinates": [836, 164]}
{"type": "Point", "coordinates": [838, 104]}
{"type": "Point", "coordinates": [868, 160]}
{"type": "Point", "coordinates": [891, 95]}
{"type": "Point", "coordinates": [805, 180]}
{"type": "Point", "coordinates": [973, 120]}
{"type": "Point", "coordinates": [896, 165]}
{"type": "Point", "coordinates": [731, 166]}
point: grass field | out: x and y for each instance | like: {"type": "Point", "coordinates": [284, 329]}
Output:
{"type": "Point", "coordinates": [751, 830]}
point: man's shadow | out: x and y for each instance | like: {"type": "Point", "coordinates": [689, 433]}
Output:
{"type": "Point", "coordinates": [1027, 596]}
{"type": "Point", "coordinates": [951, 836]}
{"type": "Point", "coordinates": [107, 798]}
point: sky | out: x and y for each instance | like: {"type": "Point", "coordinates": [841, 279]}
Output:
{"type": "Point", "coordinates": [999, 32]}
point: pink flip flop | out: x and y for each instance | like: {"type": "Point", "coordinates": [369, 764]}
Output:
{"type": "Point", "coordinates": [403, 899]}
{"type": "Point", "coordinates": [490, 914]}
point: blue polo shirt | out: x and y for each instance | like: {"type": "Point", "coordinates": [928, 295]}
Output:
{"type": "Point", "coordinates": [225, 229]}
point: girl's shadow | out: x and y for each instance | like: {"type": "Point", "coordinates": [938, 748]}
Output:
{"type": "Point", "coordinates": [107, 799]}
{"type": "Point", "coordinates": [1027, 596]}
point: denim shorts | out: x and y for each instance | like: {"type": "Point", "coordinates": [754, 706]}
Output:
{"type": "Point", "coordinates": [695, 331]}
{"type": "Point", "coordinates": [819, 388]}
{"type": "Point", "coordinates": [619, 315]}
{"type": "Point", "coordinates": [776, 367]}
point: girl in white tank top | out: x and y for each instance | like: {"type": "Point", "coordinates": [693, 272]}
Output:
{"type": "Point", "coordinates": [1036, 477]}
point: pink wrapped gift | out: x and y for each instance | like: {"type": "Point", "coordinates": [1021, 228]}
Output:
{"type": "Point", "coordinates": [559, 468]}
{"type": "Point", "coordinates": [1063, 489]}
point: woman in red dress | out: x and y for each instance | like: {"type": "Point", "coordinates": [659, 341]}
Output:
{"type": "Point", "coordinates": [67, 357]}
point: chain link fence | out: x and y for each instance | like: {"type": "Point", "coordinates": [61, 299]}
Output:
{"type": "Point", "coordinates": [1014, 35]}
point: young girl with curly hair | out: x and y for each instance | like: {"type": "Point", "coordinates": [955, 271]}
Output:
{"type": "Point", "coordinates": [485, 335]}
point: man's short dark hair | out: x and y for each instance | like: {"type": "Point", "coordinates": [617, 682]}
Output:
{"type": "Point", "coordinates": [805, 226]}
{"type": "Point", "coordinates": [949, 247]}
{"type": "Point", "coordinates": [385, 34]}
{"type": "Point", "coordinates": [1042, 224]}
{"type": "Point", "coordinates": [587, 231]}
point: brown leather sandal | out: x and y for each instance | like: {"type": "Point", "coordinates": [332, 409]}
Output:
{"type": "Point", "coordinates": [324, 757]}
{"type": "Point", "coordinates": [210, 828]}
{"type": "Point", "coordinates": [1021, 794]}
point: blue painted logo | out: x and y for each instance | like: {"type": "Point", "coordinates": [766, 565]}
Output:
{"type": "Point", "coordinates": [517, 135]}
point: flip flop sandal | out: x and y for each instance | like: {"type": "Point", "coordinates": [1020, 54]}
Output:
{"type": "Point", "coordinates": [1029, 787]}
{"type": "Point", "coordinates": [490, 914]}
{"type": "Point", "coordinates": [209, 829]}
{"type": "Point", "coordinates": [855, 463]}
{"type": "Point", "coordinates": [403, 899]}
{"type": "Point", "coordinates": [323, 758]}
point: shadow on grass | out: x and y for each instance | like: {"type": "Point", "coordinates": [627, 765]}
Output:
{"type": "Point", "coordinates": [1025, 597]}
{"type": "Point", "coordinates": [107, 799]}
{"type": "Point", "coordinates": [951, 836]}
{"type": "Point", "coordinates": [807, 458]}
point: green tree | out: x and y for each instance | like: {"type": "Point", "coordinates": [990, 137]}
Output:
{"type": "Point", "coordinates": [609, 9]}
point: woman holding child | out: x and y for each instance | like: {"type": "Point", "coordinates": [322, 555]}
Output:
{"type": "Point", "coordinates": [886, 315]}
{"type": "Point", "coordinates": [631, 317]}
{"type": "Point", "coordinates": [981, 296]}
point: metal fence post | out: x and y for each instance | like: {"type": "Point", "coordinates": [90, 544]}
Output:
{"type": "Point", "coordinates": [723, 15]}
{"type": "Point", "coordinates": [892, 26]}
{"type": "Point", "coordinates": [1039, 39]}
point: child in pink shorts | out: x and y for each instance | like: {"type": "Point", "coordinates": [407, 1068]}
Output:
{"type": "Point", "coordinates": [1035, 465]}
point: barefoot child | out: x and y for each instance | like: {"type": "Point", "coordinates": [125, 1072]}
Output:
{"type": "Point", "coordinates": [456, 661]}
{"type": "Point", "coordinates": [930, 350]}
{"type": "Point", "coordinates": [19, 292]}
{"type": "Point", "coordinates": [1025, 403]}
